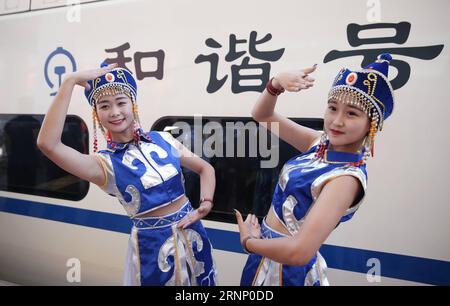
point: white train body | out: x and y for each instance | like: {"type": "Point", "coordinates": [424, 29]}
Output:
{"type": "Point", "coordinates": [399, 235]}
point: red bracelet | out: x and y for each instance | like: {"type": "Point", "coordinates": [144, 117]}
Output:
{"type": "Point", "coordinates": [244, 244]}
{"type": "Point", "coordinates": [272, 90]}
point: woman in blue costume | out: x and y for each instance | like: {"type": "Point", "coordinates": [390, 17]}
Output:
{"type": "Point", "coordinates": [168, 244]}
{"type": "Point", "coordinates": [323, 186]}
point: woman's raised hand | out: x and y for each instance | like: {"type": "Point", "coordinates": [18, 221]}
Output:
{"type": "Point", "coordinates": [295, 80]}
{"type": "Point", "coordinates": [82, 77]}
{"type": "Point", "coordinates": [248, 228]}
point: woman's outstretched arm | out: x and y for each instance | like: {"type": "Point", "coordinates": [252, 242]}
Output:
{"type": "Point", "coordinates": [84, 166]}
{"type": "Point", "coordinates": [335, 198]}
{"type": "Point", "coordinates": [298, 136]}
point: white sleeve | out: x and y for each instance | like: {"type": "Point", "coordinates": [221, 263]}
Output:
{"type": "Point", "coordinates": [319, 183]}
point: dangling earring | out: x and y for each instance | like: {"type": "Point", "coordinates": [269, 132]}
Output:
{"type": "Point", "coordinates": [136, 115]}
{"type": "Point", "coordinates": [367, 147]}
{"type": "Point", "coordinates": [136, 133]}
{"type": "Point", "coordinates": [369, 141]}
{"type": "Point", "coordinates": [136, 124]}
{"type": "Point", "coordinates": [373, 129]}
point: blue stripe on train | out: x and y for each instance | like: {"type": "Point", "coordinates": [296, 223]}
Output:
{"type": "Point", "coordinates": [417, 269]}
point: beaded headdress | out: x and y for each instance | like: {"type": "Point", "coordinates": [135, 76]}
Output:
{"type": "Point", "coordinates": [370, 90]}
{"type": "Point", "coordinates": [116, 81]}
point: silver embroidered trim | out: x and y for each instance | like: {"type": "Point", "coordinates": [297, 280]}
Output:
{"type": "Point", "coordinates": [317, 185]}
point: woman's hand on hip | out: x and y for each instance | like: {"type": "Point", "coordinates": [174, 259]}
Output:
{"type": "Point", "coordinates": [195, 215]}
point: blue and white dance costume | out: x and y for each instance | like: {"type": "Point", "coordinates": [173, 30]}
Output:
{"type": "Point", "coordinates": [303, 177]}
{"type": "Point", "coordinates": [300, 183]}
{"type": "Point", "coordinates": [144, 178]}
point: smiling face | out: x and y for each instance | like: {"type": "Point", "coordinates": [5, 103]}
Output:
{"type": "Point", "coordinates": [115, 113]}
{"type": "Point", "coordinates": [346, 126]}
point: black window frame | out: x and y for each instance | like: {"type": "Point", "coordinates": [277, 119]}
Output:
{"type": "Point", "coordinates": [222, 212]}
{"type": "Point", "coordinates": [26, 170]}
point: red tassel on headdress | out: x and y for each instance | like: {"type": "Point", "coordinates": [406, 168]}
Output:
{"type": "Point", "coordinates": [371, 147]}
{"type": "Point", "coordinates": [94, 121]}
{"type": "Point", "coordinates": [136, 133]}
{"type": "Point", "coordinates": [320, 151]}
{"type": "Point", "coordinates": [109, 137]}
{"type": "Point", "coordinates": [321, 147]}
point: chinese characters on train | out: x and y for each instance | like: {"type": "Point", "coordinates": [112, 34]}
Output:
{"type": "Point", "coordinates": [402, 30]}
{"type": "Point", "coordinates": [250, 69]}
{"type": "Point", "coordinates": [138, 58]}
{"type": "Point", "coordinates": [246, 61]}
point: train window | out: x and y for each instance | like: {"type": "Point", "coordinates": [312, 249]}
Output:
{"type": "Point", "coordinates": [24, 169]}
{"type": "Point", "coordinates": [247, 160]}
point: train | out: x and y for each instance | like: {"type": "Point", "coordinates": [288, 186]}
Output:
{"type": "Point", "coordinates": [200, 66]}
